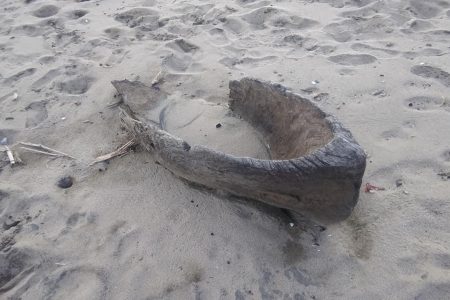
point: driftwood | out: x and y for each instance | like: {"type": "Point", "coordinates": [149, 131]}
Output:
{"type": "Point", "coordinates": [316, 167]}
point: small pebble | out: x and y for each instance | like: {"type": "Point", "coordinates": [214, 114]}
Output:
{"type": "Point", "coordinates": [399, 182]}
{"type": "Point", "coordinates": [65, 182]}
{"type": "Point", "coordinates": [218, 125]}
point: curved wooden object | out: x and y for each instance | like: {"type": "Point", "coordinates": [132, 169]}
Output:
{"type": "Point", "coordinates": [316, 167]}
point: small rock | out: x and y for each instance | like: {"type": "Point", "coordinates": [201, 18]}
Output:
{"type": "Point", "coordinates": [65, 182]}
{"type": "Point", "coordinates": [218, 125]}
{"type": "Point", "coordinates": [399, 182]}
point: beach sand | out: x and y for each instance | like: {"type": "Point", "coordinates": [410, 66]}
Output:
{"type": "Point", "coordinates": [129, 229]}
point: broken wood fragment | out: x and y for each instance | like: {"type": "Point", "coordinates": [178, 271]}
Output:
{"type": "Point", "coordinates": [316, 167]}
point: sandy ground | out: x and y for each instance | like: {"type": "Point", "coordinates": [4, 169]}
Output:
{"type": "Point", "coordinates": [128, 229]}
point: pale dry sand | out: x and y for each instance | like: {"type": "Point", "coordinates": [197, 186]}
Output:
{"type": "Point", "coordinates": [128, 229]}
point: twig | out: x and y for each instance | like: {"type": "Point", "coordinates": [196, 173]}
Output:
{"type": "Point", "coordinates": [371, 188]}
{"type": "Point", "coordinates": [10, 155]}
{"type": "Point", "coordinates": [41, 152]}
{"type": "Point", "coordinates": [115, 104]}
{"type": "Point", "coordinates": [38, 148]}
{"type": "Point", "coordinates": [120, 151]}
{"type": "Point", "coordinates": [158, 78]}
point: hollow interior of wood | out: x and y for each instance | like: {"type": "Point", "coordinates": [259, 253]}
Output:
{"type": "Point", "coordinates": [292, 126]}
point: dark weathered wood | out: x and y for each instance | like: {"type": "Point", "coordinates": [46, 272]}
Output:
{"type": "Point", "coordinates": [316, 167]}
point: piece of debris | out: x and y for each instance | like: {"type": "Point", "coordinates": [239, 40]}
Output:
{"type": "Point", "coordinates": [405, 192]}
{"type": "Point", "coordinates": [218, 125]}
{"type": "Point", "coordinates": [41, 149]}
{"type": "Point", "coordinates": [4, 141]}
{"type": "Point", "coordinates": [398, 182]}
{"type": "Point", "coordinates": [65, 182]}
{"type": "Point", "coordinates": [380, 93]}
{"type": "Point", "coordinates": [158, 78]}
{"type": "Point", "coordinates": [372, 188]}
{"type": "Point", "coordinates": [10, 155]}
{"type": "Point", "coordinates": [119, 152]}
{"type": "Point", "coordinates": [314, 82]}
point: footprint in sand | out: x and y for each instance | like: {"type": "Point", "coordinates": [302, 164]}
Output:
{"type": "Point", "coordinates": [235, 25]}
{"type": "Point", "coordinates": [48, 59]}
{"type": "Point", "coordinates": [424, 9]}
{"type": "Point", "coordinates": [432, 72]}
{"type": "Point", "coordinates": [423, 53]}
{"type": "Point", "coordinates": [183, 46]}
{"type": "Point", "coordinates": [136, 16]}
{"type": "Point", "coordinates": [218, 37]}
{"type": "Point", "coordinates": [426, 103]}
{"type": "Point", "coordinates": [248, 62]}
{"type": "Point", "coordinates": [181, 63]}
{"type": "Point", "coordinates": [307, 43]}
{"type": "Point", "coordinates": [36, 113]}
{"type": "Point", "coordinates": [46, 11]}
{"type": "Point", "coordinates": [363, 47]}
{"type": "Point", "coordinates": [113, 33]}
{"type": "Point", "coordinates": [360, 28]}
{"type": "Point", "coordinates": [76, 14]}
{"type": "Point", "coordinates": [44, 80]}
{"type": "Point", "coordinates": [75, 86]}
{"type": "Point", "coordinates": [262, 17]}
{"type": "Point", "coordinates": [353, 59]}
{"type": "Point", "coordinates": [18, 76]}
{"type": "Point", "coordinates": [416, 26]}
{"type": "Point", "coordinates": [81, 282]}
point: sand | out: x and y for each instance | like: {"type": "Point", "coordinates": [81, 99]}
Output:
{"type": "Point", "coordinates": [128, 229]}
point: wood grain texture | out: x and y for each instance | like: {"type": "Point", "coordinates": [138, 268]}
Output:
{"type": "Point", "coordinates": [316, 167]}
